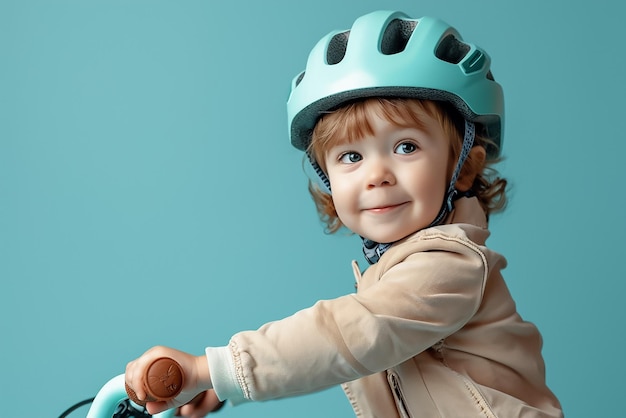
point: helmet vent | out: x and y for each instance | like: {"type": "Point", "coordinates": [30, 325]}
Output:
{"type": "Point", "coordinates": [299, 79]}
{"type": "Point", "coordinates": [337, 48]}
{"type": "Point", "coordinates": [451, 49]}
{"type": "Point", "coordinates": [396, 36]}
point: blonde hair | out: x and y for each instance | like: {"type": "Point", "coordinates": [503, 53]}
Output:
{"type": "Point", "coordinates": [352, 122]}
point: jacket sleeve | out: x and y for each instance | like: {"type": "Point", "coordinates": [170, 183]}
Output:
{"type": "Point", "coordinates": [427, 290]}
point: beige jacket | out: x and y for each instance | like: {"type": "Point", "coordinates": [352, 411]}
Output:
{"type": "Point", "coordinates": [431, 332]}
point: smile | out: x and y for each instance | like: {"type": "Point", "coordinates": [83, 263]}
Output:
{"type": "Point", "coordinates": [385, 209]}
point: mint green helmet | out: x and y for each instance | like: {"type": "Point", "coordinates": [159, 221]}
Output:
{"type": "Point", "coordinates": [388, 54]}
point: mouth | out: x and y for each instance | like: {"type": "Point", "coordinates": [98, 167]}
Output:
{"type": "Point", "coordinates": [385, 208]}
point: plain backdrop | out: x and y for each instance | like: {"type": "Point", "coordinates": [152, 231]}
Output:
{"type": "Point", "coordinates": [149, 194]}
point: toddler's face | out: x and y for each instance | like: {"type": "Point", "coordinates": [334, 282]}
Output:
{"type": "Point", "coordinates": [388, 185]}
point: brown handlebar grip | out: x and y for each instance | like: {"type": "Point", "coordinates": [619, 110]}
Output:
{"type": "Point", "coordinates": [163, 381]}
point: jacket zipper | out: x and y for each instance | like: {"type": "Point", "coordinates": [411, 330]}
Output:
{"type": "Point", "coordinates": [475, 393]}
{"type": "Point", "coordinates": [398, 395]}
{"type": "Point", "coordinates": [471, 388]}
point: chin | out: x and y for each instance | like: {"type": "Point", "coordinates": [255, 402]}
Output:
{"type": "Point", "coordinates": [386, 237]}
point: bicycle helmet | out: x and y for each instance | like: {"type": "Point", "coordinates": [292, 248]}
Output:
{"type": "Point", "coordinates": [388, 54]}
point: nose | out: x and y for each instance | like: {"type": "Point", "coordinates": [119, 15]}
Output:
{"type": "Point", "coordinates": [380, 173]}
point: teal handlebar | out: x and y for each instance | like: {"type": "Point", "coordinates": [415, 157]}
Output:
{"type": "Point", "coordinates": [110, 395]}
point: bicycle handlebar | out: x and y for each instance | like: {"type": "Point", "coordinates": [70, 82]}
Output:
{"type": "Point", "coordinates": [163, 381]}
{"type": "Point", "coordinates": [110, 395]}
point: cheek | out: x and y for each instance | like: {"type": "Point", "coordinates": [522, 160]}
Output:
{"type": "Point", "coordinates": [342, 194]}
{"type": "Point", "coordinates": [429, 185]}
{"type": "Point", "coordinates": [337, 182]}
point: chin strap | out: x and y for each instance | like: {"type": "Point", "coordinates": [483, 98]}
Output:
{"type": "Point", "coordinates": [373, 250]}
{"type": "Point", "coordinates": [320, 173]}
{"type": "Point", "coordinates": [453, 194]}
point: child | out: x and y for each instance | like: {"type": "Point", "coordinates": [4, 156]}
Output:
{"type": "Point", "coordinates": [401, 120]}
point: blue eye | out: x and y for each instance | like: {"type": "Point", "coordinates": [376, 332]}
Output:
{"type": "Point", "coordinates": [350, 157]}
{"type": "Point", "coordinates": [406, 148]}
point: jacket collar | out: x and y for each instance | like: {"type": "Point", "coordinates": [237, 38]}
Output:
{"type": "Point", "coordinates": [468, 211]}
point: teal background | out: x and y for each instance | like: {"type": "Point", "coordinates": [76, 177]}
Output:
{"type": "Point", "coordinates": [148, 193]}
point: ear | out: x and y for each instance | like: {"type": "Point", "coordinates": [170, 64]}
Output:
{"type": "Point", "coordinates": [473, 166]}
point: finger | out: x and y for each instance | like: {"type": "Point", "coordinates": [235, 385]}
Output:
{"type": "Point", "coordinates": [157, 407]}
{"type": "Point", "coordinates": [212, 401]}
{"type": "Point", "coordinates": [201, 405]}
{"type": "Point", "coordinates": [133, 383]}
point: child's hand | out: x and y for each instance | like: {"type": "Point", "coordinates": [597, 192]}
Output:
{"type": "Point", "coordinates": [194, 368]}
{"type": "Point", "coordinates": [201, 405]}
